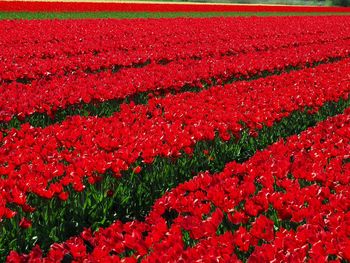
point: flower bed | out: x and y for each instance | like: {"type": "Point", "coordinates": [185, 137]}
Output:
{"type": "Point", "coordinates": [111, 126]}
{"type": "Point", "coordinates": [289, 202]}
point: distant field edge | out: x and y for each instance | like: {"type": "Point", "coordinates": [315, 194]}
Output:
{"type": "Point", "coordinates": [122, 15]}
{"type": "Point", "coordinates": [67, 6]}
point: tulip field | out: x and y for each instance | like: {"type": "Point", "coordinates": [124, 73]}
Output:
{"type": "Point", "coordinates": [175, 139]}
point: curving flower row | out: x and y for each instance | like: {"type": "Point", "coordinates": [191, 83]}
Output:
{"type": "Point", "coordinates": [43, 161]}
{"type": "Point", "coordinates": [47, 96]}
{"type": "Point", "coordinates": [288, 203]}
{"type": "Point", "coordinates": [48, 48]}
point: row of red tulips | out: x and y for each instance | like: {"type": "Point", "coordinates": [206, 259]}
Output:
{"type": "Point", "coordinates": [288, 203]}
{"type": "Point", "coordinates": [47, 96]}
{"type": "Point", "coordinates": [42, 6]}
{"type": "Point", "coordinates": [43, 161]}
{"type": "Point", "coordinates": [55, 47]}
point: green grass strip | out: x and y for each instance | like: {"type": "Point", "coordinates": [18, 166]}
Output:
{"type": "Point", "coordinates": [122, 15]}
{"type": "Point", "coordinates": [132, 196]}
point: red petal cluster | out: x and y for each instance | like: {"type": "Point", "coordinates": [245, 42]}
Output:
{"type": "Point", "coordinates": [63, 61]}
{"type": "Point", "coordinates": [81, 147]}
{"type": "Point", "coordinates": [65, 46]}
{"type": "Point", "coordinates": [288, 203]}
